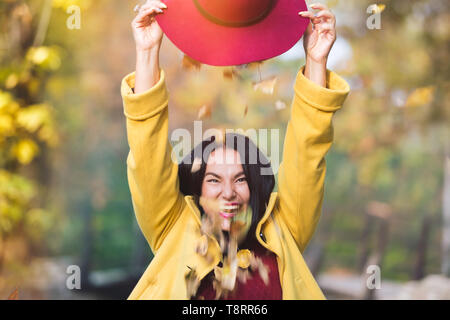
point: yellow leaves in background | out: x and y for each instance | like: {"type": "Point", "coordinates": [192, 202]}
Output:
{"type": "Point", "coordinates": [6, 101]}
{"type": "Point", "coordinates": [64, 4]}
{"type": "Point", "coordinates": [15, 194]}
{"type": "Point", "coordinates": [33, 117]}
{"type": "Point", "coordinates": [25, 150]}
{"type": "Point", "coordinates": [6, 125]}
{"type": "Point", "coordinates": [45, 57]}
{"type": "Point", "coordinates": [37, 222]}
{"type": "Point", "coordinates": [39, 117]}
{"type": "Point", "coordinates": [420, 97]}
{"type": "Point", "coordinates": [20, 124]}
{"type": "Point", "coordinates": [11, 81]}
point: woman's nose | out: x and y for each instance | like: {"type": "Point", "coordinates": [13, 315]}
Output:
{"type": "Point", "coordinates": [228, 192]}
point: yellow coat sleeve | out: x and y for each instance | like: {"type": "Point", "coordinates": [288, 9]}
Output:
{"type": "Point", "coordinates": [152, 175]}
{"type": "Point", "coordinates": [308, 138]}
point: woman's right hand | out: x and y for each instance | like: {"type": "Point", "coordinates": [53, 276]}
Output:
{"type": "Point", "coordinates": [146, 31]}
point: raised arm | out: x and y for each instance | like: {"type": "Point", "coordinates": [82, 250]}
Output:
{"type": "Point", "coordinates": [318, 94]}
{"type": "Point", "coordinates": [152, 175]}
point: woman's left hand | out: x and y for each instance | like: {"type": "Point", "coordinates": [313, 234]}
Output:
{"type": "Point", "coordinates": [321, 33]}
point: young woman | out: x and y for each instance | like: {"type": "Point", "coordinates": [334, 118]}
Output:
{"type": "Point", "coordinates": [166, 196]}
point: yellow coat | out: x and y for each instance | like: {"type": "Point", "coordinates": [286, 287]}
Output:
{"type": "Point", "coordinates": [171, 222]}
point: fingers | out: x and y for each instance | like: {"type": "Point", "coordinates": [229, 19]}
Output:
{"type": "Point", "coordinates": [147, 12]}
{"type": "Point", "coordinates": [325, 17]}
{"type": "Point", "coordinates": [326, 14]}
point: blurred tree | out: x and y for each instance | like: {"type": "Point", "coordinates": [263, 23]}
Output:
{"type": "Point", "coordinates": [27, 127]}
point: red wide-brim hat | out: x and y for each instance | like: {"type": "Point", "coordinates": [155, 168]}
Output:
{"type": "Point", "coordinates": [233, 32]}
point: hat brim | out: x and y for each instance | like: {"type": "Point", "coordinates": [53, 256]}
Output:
{"type": "Point", "coordinates": [218, 45]}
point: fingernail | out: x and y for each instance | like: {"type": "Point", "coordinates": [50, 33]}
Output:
{"type": "Point", "coordinates": [160, 10]}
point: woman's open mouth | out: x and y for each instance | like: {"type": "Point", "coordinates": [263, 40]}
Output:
{"type": "Point", "coordinates": [229, 210]}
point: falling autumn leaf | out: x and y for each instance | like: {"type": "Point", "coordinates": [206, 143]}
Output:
{"type": "Point", "coordinates": [379, 209]}
{"type": "Point", "coordinates": [244, 257]}
{"type": "Point", "coordinates": [280, 105]}
{"type": "Point", "coordinates": [228, 73]}
{"type": "Point", "coordinates": [210, 205]}
{"type": "Point", "coordinates": [256, 264]}
{"type": "Point", "coordinates": [189, 64]}
{"type": "Point", "coordinates": [192, 282]}
{"type": "Point", "coordinates": [254, 65]}
{"type": "Point", "coordinates": [243, 275]}
{"type": "Point", "coordinates": [204, 112]}
{"type": "Point", "coordinates": [380, 8]}
{"type": "Point", "coordinates": [202, 246]}
{"type": "Point", "coordinates": [236, 228]}
{"type": "Point", "coordinates": [264, 273]}
{"type": "Point", "coordinates": [231, 73]}
{"type": "Point", "coordinates": [420, 97]}
{"type": "Point", "coordinates": [266, 86]}
{"type": "Point", "coordinates": [218, 289]}
{"type": "Point", "coordinates": [229, 272]}
{"type": "Point", "coordinates": [245, 110]}
{"type": "Point", "coordinates": [14, 295]}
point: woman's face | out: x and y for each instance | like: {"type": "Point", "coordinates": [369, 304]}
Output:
{"type": "Point", "coordinates": [226, 184]}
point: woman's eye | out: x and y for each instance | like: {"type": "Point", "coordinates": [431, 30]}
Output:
{"type": "Point", "coordinates": [213, 180]}
{"type": "Point", "coordinates": [241, 180]}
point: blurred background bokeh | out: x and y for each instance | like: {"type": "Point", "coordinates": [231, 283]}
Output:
{"type": "Point", "coordinates": [64, 198]}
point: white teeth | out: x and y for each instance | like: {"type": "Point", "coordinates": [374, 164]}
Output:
{"type": "Point", "coordinates": [230, 207]}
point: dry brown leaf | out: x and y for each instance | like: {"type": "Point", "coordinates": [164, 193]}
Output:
{"type": "Point", "coordinates": [190, 64]}
{"type": "Point", "coordinates": [266, 86]}
{"type": "Point", "coordinates": [14, 295]}
{"type": "Point", "coordinates": [228, 73]}
{"type": "Point", "coordinates": [254, 65]}
{"type": "Point", "coordinates": [246, 110]}
{"type": "Point", "coordinates": [204, 112]}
